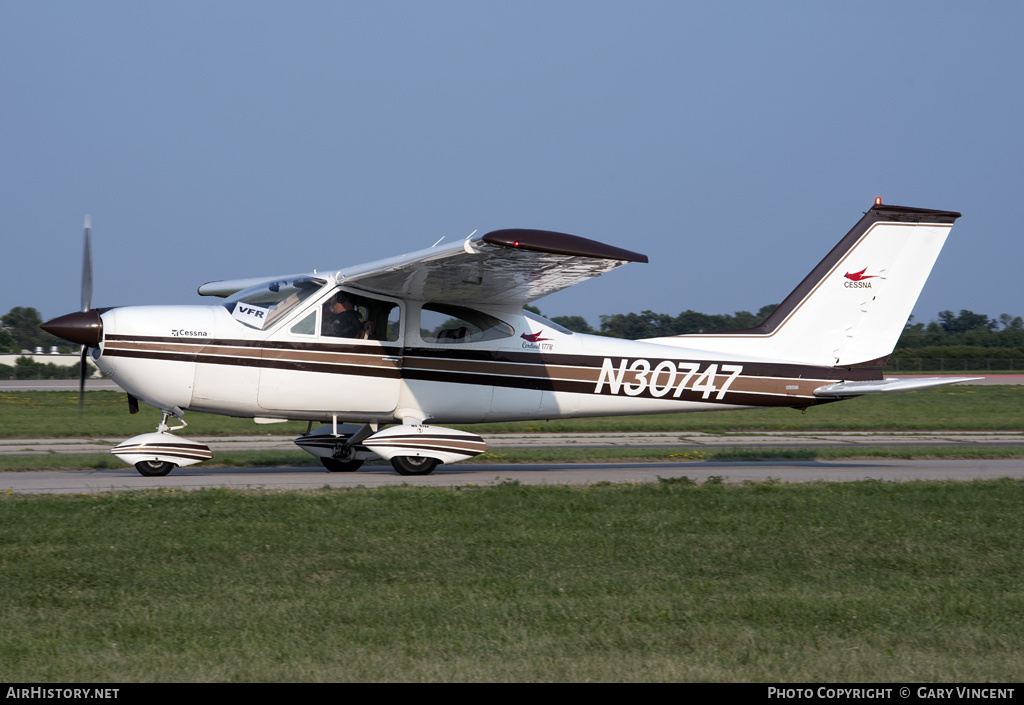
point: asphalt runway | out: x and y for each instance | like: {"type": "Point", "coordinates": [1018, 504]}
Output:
{"type": "Point", "coordinates": [57, 385]}
{"type": "Point", "coordinates": [197, 477]}
{"type": "Point", "coordinates": [679, 440]}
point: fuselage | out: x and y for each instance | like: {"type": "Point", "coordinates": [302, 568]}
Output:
{"type": "Point", "coordinates": [423, 362]}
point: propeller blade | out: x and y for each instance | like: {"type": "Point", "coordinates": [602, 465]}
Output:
{"type": "Point", "coordinates": [86, 305]}
{"type": "Point", "coordinates": [87, 267]}
{"type": "Point", "coordinates": [83, 365]}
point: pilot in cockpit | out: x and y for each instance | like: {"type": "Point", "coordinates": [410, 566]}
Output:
{"type": "Point", "coordinates": [342, 320]}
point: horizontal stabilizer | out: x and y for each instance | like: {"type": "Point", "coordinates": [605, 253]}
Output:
{"type": "Point", "coordinates": [882, 386]}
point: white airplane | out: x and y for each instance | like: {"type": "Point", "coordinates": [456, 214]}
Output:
{"type": "Point", "coordinates": [440, 336]}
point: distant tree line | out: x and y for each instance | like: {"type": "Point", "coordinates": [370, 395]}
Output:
{"type": "Point", "coordinates": [964, 335]}
{"type": "Point", "coordinates": [648, 324]}
{"type": "Point", "coordinates": [999, 337]}
{"type": "Point", "coordinates": [20, 331]}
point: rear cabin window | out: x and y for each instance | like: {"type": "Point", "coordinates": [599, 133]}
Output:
{"type": "Point", "coordinates": [447, 324]}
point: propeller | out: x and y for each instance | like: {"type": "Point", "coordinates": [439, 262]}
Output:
{"type": "Point", "coordinates": [87, 267]}
{"type": "Point", "coordinates": [83, 365]}
{"type": "Point", "coordinates": [84, 327]}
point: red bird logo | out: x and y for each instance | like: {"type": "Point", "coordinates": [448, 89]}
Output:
{"type": "Point", "coordinates": [533, 337]}
{"type": "Point", "coordinates": [859, 276]}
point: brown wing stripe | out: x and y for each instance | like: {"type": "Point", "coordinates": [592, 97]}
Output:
{"type": "Point", "coordinates": [560, 244]}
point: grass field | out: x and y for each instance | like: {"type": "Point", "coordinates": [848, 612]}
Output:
{"type": "Point", "coordinates": [55, 414]}
{"type": "Point", "coordinates": [766, 582]}
{"type": "Point", "coordinates": [674, 581]}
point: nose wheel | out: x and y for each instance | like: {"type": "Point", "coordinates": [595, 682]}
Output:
{"type": "Point", "coordinates": [154, 468]}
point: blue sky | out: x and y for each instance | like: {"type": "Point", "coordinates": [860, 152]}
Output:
{"type": "Point", "coordinates": [734, 143]}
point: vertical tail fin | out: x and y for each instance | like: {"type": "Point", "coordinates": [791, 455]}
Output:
{"type": "Point", "coordinates": [852, 307]}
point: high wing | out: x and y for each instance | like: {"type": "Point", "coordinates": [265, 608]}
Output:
{"type": "Point", "coordinates": [502, 267]}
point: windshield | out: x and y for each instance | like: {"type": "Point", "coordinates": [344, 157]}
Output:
{"type": "Point", "coordinates": [261, 306]}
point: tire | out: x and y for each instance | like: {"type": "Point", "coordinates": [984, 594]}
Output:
{"type": "Point", "coordinates": [341, 465]}
{"type": "Point", "coordinates": [154, 468]}
{"type": "Point", "coordinates": [413, 464]}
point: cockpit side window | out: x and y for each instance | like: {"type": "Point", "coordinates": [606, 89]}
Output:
{"type": "Point", "coordinates": [306, 326]}
{"type": "Point", "coordinates": [360, 317]}
{"type": "Point", "coordinates": [450, 325]}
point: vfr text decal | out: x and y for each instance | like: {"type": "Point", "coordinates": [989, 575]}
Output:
{"type": "Point", "coordinates": [255, 316]}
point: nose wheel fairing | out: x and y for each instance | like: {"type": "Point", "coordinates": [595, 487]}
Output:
{"type": "Point", "coordinates": [152, 449]}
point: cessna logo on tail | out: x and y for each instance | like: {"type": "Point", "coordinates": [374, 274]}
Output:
{"type": "Point", "coordinates": [857, 279]}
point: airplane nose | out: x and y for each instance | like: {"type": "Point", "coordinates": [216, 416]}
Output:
{"type": "Point", "coordinates": [82, 327]}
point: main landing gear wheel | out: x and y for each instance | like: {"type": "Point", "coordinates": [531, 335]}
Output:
{"type": "Point", "coordinates": [154, 468]}
{"type": "Point", "coordinates": [413, 465]}
{"type": "Point", "coordinates": [341, 465]}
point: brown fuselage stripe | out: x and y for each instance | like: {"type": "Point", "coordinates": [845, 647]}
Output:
{"type": "Point", "coordinates": [761, 384]}
{"type": "Point", "coordinates": [455, 358]}
{"type": "Point", "coordinates": [392, 372]}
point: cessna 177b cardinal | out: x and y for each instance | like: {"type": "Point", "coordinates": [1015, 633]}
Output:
{"type": "Point", "coordinates": [383, 353]}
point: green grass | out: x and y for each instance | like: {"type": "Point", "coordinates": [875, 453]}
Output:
{"type": "Point", "coordinates": [766, 582]}
{"type": "Point", "coordinates": [55, 414]}
{"type": "Point", "coordinates": [837, 582]}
